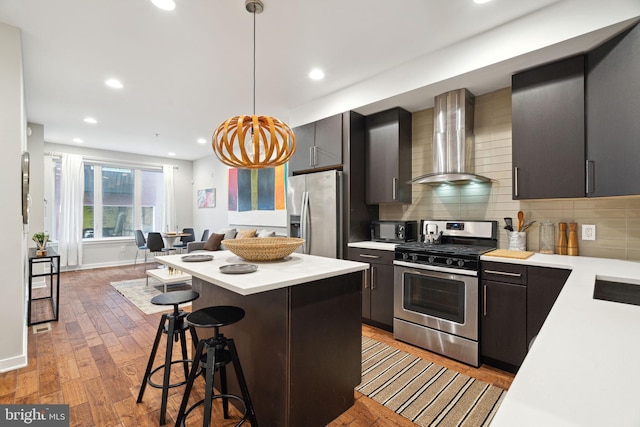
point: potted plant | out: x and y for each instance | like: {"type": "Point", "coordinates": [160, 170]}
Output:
{"type": "Point", "coordinates": [41, 241]}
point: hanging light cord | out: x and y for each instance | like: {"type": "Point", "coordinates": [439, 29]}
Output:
{"type": "Point", "coordinates": [254, 62]}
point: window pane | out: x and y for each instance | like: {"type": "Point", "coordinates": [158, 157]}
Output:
{"type": "Point", "coordinates": [151, 200]}
{"type": "Point", "coordinates": [87, 212]}
{"type": "Point", "coordinates": [117, 202]}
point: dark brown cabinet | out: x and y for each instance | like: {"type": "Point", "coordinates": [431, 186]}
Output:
{"type": "Point", "coordinates": [516, 300]}
{"type": "Point", "coordinates": [543, 287]}
{"type": "Point", "coordinates": [575, 130]}
{"type": "Point", "coordinates": [318, 145]}
{"type": "Point", "coordinates": [377, 289]}
{"type": "Point", "coordinates": [504, 315]}
{"type": "Point", "coordinates": [613, 127]}
{"type": "Point", "coordinates": [548, 134]}
{"type": "Point", "coordinates": [388, 157]}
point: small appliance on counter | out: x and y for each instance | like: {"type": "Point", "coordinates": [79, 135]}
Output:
{"type": "Point", "coordinates": [394, 231]}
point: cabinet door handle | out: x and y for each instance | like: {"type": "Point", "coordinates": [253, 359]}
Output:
{"type": "Point", "coordinates": [315, 155]}
{"type": "Point", "coordinates": [310, 156]}
{"type": "Point", "coordinates": [394, 188]}
{"type": "Point", "coordinates": [484, 301]}
{"type": "Point", "coordinates": [589, 176]}
{"type": "Point", "coordinates": [365, 279]}
{"type": "Point", "coordinates": [373, 278]}
{"type": "Point", "coordinates": [503, 273]}
{"type": "Point", "coordinates": [515, 184]}
{"type": "Point", "coordinates": [369, 256]}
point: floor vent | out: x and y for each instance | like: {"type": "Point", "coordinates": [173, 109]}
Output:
{"type": "Point", "coordinates": [44, 327]}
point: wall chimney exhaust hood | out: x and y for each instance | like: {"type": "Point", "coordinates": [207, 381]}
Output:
{"type": "Point", "coordinates": [453, 151]}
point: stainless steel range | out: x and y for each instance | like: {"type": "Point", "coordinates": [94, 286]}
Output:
{"type": "Point", "coordinates": [436, 287]}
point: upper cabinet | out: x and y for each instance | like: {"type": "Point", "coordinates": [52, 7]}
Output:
{"type": "Point", "coordinates": [318, 145]}
{"type": "Point", "coordinates": [613, 109]}
{"type": "Point", "coordinates": [388, 157]}
{"type": "Point", "coordinates": [575, 127]}
{"type": "Point", "coordinates": [548, 131]}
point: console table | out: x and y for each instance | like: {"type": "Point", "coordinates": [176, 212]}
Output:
{"type": "Point", "coordinates": [52, 292]}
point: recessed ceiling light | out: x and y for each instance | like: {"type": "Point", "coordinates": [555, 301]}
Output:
{"type": "Point", "coordinates": [202, 141]}
{"type": "Point", "coordinates": [90, 120]}
{"type": "Point", "coordinates": [171, 153]}
{"type": "Point", "coordinates": [481, 1]}
{"type": "Point", "coordinates": [77, 140]}
{"type": "Point", "coordinates": [316, 74]}
{"type": "Point", "coordinates": [114, 83]}
{"type": "Point", "coordinates": [164, 4]}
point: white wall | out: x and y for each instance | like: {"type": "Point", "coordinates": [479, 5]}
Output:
{"type": "Point", "coordinates": [13, 350]}
{"type": "Point", "coordinates": [109, 253]}
{"type": "Point", "coordinates": [209, 172]}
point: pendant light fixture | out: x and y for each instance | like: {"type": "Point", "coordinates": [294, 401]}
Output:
{"type": "Point", "coordinates": [253, 142]}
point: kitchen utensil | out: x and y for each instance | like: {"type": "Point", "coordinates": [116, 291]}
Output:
{"type": "Point", "coordinates": [562, 238]}
{"type": "Point", "coordinates": [520, 220]}
{"type": "Point", "coordinates": [527, 225]}
{"type": "Point", "coordinates": [509, 224]}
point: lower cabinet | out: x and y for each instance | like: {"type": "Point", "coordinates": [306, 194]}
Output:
{"type": "Point", "coordinates": [377, 288]}
{"type": "Point", "coordinates": [504, 322]}
{"type": "Point", "coordinates": [516, 300]}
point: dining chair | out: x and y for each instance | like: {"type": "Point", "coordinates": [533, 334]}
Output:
{"type": "Point", "coordinates": [205, 235]}
{"type": "Point", "coordinates": [184, 240]}
{"type": "Point", "coordinates": [155, 244]}
{"type": "Point", "coordinates": [141, 244]}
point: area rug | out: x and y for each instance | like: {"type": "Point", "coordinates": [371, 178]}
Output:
{"type": "Point", "coordinates": [140, 294]}
{"type": "Point", "coordinates": [423, 392]}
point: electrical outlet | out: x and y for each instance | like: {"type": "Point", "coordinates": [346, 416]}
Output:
{"type": "Point", "coordinates": [588, 232]}
{"type": "Point", "coordinates": [123, 248]}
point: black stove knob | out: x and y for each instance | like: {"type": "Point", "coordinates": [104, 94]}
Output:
{"type": "Point", "coordinates": [432, 259]}
{"type": "Point", "coordinates": [460, 263]}
{"type": "Point", "coordinates": [414, 257]}
{"type": "Point", "coordinates": [449, 261]}
{"type": "Point", "coordinates": [405, 256]}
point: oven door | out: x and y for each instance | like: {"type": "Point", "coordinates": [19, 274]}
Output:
{"type": "Point", "coordinates": [446, 302]}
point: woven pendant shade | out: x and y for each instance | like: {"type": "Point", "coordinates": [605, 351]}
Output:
{"type": "Point", "coordinates": [253, 142]}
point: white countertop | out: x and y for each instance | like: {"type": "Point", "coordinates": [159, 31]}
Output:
{"type": "Point", "coordinates": [583, 367]}
{"type": "Point", "coordinates": [293, 270]}
{"type": "Point", "coordinates": [383, 246]}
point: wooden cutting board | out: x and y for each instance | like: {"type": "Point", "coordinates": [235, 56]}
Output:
{"type": "Point", "coordinates": [505, 253]}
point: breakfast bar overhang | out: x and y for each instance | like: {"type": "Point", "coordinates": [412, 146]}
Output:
{"type": "Point", "coordinates": [300, 341]}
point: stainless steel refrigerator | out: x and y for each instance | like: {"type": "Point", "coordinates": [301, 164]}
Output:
{"type": "Point", "coordinates": [314, 208]}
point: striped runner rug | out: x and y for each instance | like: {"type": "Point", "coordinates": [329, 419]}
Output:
{"type": "Point", "coordinates": [423, 392]}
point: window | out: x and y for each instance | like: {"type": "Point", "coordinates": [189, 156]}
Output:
{"type": "Point", "coordinates": [117, 200]}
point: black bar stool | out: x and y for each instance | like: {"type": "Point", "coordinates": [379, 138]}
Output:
{"type": "Point", "coordinates": [216, 352]}
{"type": "Point", "coordinates": [174, 326]}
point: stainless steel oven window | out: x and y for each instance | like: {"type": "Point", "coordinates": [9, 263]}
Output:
{"type": "Point", "coordinates": [436, 297]}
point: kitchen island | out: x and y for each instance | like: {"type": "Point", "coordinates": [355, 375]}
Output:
{"type": "Point", "coordinates": [581, 370]}
{"type": "Point", "coordinates": [300, 341]}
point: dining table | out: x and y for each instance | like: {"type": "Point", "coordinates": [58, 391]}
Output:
{"type": "Point", "coordinates": [170, 237]}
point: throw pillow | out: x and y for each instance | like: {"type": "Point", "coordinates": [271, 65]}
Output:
{"type": "Point", "coordinates": [213, 243]}
{"type": "Point", "coordinates": [229, 233]}
{"type": "Point", "coordinates": [266, 233]}
{"type": "Point", "coordinates": [243, 234]}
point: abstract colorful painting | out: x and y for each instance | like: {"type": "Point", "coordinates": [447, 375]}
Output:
{"type": "Point", "coordinates": [207, 198]}
{"type": "Point", "coordinates": [258, 196]}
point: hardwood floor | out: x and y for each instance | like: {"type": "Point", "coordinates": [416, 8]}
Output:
{"type": "Point", "coordinates": [94, 357]}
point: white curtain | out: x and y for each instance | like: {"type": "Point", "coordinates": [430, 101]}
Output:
{"type": "Point", "coordinates": [169, 205]}
{"type": "Point", "coordinates": [71, 201]}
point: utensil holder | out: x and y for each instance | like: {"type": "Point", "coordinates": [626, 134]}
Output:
{"type": "Point", "coordinates": [517, 240]}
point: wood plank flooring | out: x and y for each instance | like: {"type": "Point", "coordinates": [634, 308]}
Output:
{"type": "Point", "coordinates": [94, 357]}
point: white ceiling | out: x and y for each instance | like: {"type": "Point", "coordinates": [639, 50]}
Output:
{"type": "Point", "coordinates": [187, 70]}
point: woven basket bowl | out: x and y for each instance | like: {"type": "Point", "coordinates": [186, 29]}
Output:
{"type": "Point", "coordinates": [263, 248]}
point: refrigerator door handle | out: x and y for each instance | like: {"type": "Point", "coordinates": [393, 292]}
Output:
{"type": "Point", "coordinates": [304, 222]}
